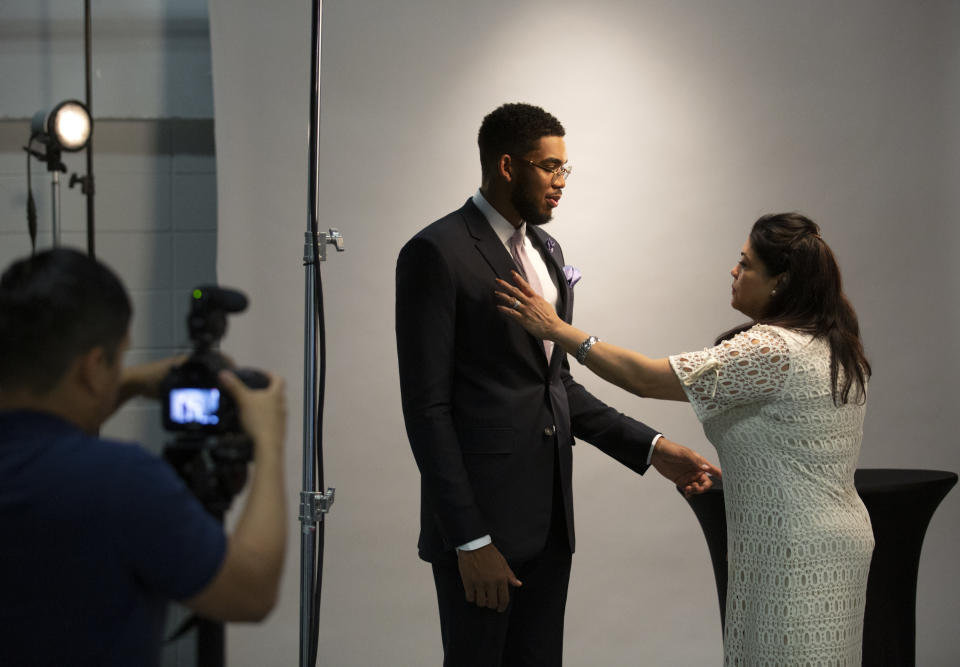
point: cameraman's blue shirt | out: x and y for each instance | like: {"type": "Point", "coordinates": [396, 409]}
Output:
{"type": "Point", "coordinates": [95, 538]}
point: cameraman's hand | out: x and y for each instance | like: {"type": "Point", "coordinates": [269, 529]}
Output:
{"type": "Point", "coordinates": [145, 379]}
{"type": "Point", "coordinates": [263, 412]}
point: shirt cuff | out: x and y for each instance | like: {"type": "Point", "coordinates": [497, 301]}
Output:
{"type": "Point", "coordinates": [473, 545]}
{"type": "Point", "coordinates": [652, 446]}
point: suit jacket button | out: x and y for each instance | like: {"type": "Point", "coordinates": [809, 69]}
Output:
{"type": "Point", "coordinates": [550, 431]}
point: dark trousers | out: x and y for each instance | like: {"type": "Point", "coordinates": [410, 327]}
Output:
{"type": "Point", "coordinates": [529, 633]}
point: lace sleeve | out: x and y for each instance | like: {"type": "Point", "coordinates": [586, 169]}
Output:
{"type": "Point", "coordinates": [750, 367]}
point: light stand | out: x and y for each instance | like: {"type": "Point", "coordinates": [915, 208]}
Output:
{"type": "Point", "coordinates": [313, 504]}
{"type": "Point", "coordinates": [66, 127]}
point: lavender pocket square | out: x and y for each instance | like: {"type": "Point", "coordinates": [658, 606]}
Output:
{"type": "Point", "coordinates": [572, 274]}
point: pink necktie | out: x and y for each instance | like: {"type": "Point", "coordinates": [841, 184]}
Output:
{"type": "Point", "coordinates": [519, 253]}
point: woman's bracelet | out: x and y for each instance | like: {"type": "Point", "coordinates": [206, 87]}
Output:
{"type": "Point", "coordinates": [584, 349]}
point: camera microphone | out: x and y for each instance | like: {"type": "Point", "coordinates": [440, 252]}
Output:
{"type": "Point", "coordinates": [219, 298]}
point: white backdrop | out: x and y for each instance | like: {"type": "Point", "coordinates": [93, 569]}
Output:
{"type": "Point", "coordinates": [685, 120]}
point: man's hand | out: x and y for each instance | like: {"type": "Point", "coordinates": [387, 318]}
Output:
{"type": "Point", "coordinates": [263, 412]}
{"type": "Point", "coordinates": [486, 577]}
{"type": "Point", "coordinates": [145, 379]}
{"type": "Point", "coordinates": [684, 467]}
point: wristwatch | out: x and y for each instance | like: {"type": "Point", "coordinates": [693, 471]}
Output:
{"type": "Point", "coordinates": [584, 349]}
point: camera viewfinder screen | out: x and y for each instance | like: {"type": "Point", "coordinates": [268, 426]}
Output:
{"type": "Point", "coordinates": [193, 405]}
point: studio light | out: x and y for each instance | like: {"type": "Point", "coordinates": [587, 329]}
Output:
{"type": "Point", "coordinates": [66, 127]}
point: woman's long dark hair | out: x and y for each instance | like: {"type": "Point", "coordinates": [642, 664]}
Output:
{"type": "Point", "coordinates": [810, 296]}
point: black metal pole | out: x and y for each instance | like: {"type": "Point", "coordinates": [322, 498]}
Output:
{"type": "Point", "coordinates": [88, 188]}
{"type": "Point", "coordinates": [312, 527]}
{"type": "Point", "coordinates": [211, 635]}
{"type": "Point", "coordinates": [210, 643]}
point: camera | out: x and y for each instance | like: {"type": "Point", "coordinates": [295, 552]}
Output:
{"type": "Point", "coordinates": [209, 451]}
{"type": "Point", "coordinates": [193, 401]}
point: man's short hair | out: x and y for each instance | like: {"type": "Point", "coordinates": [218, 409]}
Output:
{"type": "Point", "coordinates": [55, 306]}
{"type": "Point", "coordinates": [514, 129]}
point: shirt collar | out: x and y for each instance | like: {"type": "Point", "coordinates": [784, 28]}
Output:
{"type": "Point", "coordinates": [501, 226]}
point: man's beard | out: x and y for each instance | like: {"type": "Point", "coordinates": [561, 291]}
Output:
{"type": "Point", "coordinates": [525, 202]}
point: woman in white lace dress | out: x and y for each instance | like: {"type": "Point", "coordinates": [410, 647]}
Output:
{"type": "Point", "coordinates": [782, 400]}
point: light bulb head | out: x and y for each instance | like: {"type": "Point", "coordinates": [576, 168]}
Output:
{"type": "Point", "coordinates": [67, 127]}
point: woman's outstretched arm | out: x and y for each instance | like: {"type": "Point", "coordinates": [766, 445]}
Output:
{"type": "Point", "coordinates": [638, 374]}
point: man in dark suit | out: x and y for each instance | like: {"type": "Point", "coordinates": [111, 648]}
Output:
{"type": "Point", "coordinates": [491, 414]}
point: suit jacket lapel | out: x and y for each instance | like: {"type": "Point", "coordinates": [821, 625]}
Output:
{"type": "Point", "coordinates": [487, 242]}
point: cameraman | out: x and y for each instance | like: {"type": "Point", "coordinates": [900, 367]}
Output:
{"type": "Point", "coordinates": [97, 535]}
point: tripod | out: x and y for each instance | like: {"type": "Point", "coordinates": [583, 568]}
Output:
{"type": "Point", "coordinates": [214, 468]}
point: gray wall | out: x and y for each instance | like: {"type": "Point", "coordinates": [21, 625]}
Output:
{"type": "Point", "coordinates": [151, 58]}
{"type": "Point", "coordinates": [686, 120]}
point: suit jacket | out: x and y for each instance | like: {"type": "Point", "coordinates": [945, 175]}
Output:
{"type": "Point", "coordinates": [487, 416]}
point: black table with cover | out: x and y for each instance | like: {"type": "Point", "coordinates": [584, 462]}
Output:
{"type": "Point", "coordinates": [901, 503]}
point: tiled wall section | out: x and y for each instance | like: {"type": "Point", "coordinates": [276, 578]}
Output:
{"type": "Point", "coordinates": [156, 225]}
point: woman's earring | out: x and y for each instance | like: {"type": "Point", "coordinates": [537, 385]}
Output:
{"type": "Point", "coordinates": [773, 292]}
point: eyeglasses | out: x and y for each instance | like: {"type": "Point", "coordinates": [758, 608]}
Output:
{"type": "Point", "coordinates": [563, 171]}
